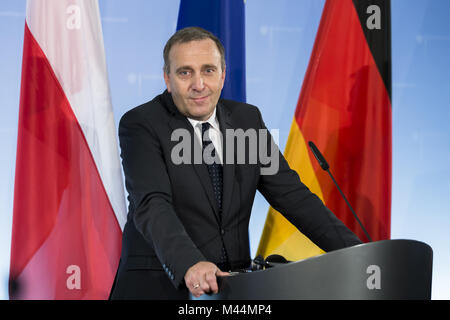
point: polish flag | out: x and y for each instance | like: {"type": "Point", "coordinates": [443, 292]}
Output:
{"type": "Point", "coordinates": [69, 205]}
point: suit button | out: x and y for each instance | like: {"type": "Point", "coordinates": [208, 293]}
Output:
{"type": "Point", "coordinates": [222, 231]}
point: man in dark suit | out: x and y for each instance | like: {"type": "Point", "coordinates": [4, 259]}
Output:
{"type": "Point", "coordinates": [188, 220]}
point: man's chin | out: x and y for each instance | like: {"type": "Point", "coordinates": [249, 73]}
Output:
{"type": "Point", "coordinates": [200, 113]}
{"type": "Point", "coordinates": [200, 116]}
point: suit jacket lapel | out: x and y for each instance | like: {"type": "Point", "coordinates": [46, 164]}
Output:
{"type": "Point", "coordinates": [179, 121]}
{"type": "Point", "coordinates": [224, 116]}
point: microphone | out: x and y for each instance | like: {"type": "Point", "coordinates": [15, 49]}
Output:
{"type": "Point", "coordinates": [258, 263]}
{"type": "Point", "coordinates": [275, 260]}
{"type": "Point", "coordinates": [324, 165]}
{"type": "Point", "coordinates": [320, 159]}
{"type": "Point", "coordinates": [271, 261]}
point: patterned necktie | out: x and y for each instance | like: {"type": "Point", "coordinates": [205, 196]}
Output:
{"type": "Point", "coordinates": [215, 171]}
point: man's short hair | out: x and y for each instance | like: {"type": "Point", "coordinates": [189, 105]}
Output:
{"type": "Point", "coordinates": [191, 34]}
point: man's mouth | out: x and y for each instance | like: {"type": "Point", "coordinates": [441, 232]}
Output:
{"type": "Point", "coordinates": [200, 99]}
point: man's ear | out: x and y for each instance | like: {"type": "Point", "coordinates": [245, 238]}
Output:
{"type": "Point", "coordinates": [166, 80]}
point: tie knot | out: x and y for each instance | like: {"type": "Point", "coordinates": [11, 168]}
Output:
{"type": "Point", "coordinates": [205, 127]}
{"type": "Point", "coordinates": [205, 132]}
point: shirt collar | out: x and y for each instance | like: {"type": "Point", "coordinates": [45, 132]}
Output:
{"type": "Point", "coordinates": [212, 121]}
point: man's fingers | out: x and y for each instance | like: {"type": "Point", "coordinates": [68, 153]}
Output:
{"type": "Point", "coordinates": [202, 278]}
{"type": "Point", "coordinates": [195, 288]}
{"type": "Point", "coordinates": [198, 287]}
{"type": "Point", "coordinates": [198, 292]}
{"type": "Point", "coordinates": [192, 288]}
{"type": "Point", "coordinates": [204, 285]}
{"type": "Point", "coordinates": [210, 277]}
{"type": "Point", "coordinates": [222, 273]}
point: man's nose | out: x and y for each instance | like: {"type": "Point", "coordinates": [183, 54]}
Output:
{"type": "Point", "coordinates": [197, 83]}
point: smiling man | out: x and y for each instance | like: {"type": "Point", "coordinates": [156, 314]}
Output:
{"type": "Point", "coordinates": [188, 223]}
{"type": "Point", "coordinates": [194, 73]}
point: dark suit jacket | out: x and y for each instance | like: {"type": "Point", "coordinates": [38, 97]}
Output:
{"type": "Point", "coordinates": [173, 220]}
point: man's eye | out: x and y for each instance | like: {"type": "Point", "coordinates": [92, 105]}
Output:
{"type": "Point", "coordinates": [184, 73]}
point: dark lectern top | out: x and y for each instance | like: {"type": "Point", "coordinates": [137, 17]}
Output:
{"type": "Point", "coordinates": [388, 269]}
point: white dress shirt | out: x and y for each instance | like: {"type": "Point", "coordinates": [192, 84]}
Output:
{"type": "Point", "coordinates": [214, 132]}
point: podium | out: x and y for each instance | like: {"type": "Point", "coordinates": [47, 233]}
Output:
{"type": "Point", "coordinates": [387, 269]}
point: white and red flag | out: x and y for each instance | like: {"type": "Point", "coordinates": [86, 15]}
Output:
{"type": "Point", "coordinates": [69, 205]}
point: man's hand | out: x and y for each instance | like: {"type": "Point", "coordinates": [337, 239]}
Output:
{"type": "Point", "coordinates": [201, 278]}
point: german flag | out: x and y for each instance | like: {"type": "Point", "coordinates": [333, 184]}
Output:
{"type": "Point", "coordinates": [345, 109]}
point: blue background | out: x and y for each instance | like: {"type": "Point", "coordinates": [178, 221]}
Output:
{"type": "Point", "coordinates": [279, 38]}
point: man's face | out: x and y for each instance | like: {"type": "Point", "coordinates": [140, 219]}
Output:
{"type": "Point", "coordinates": [196, 78]}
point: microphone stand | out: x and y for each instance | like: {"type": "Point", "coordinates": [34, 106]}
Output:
{"type": "Point", "coordinates": [324, 165]}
